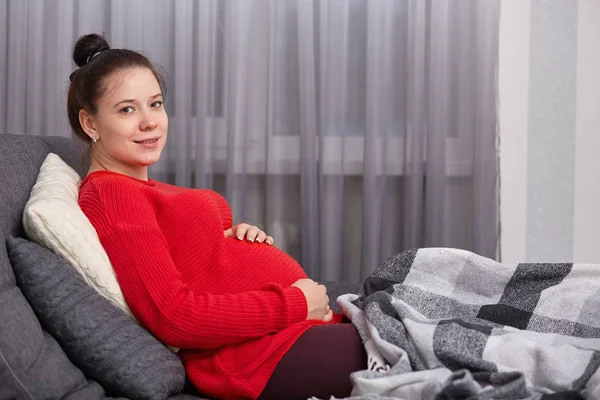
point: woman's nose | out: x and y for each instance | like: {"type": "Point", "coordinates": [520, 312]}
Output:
{"type": "Point", "coordinates": [147, 122]}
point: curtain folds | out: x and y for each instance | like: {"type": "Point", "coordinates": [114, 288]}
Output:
{"type": "Point", "coordinates": [349, 130]}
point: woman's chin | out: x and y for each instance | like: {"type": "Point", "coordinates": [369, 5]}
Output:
{"type": "Point", "coordinates": [148, 163]}
{"type": "Point", "coordinates": [148, 160]}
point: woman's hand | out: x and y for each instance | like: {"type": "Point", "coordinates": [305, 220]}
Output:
{"type": "Point", "coordinates": [250, 232]}
{"type": "Point", "coordinates": [316, 299]}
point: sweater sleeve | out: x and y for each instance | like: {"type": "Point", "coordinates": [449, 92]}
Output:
{"type": "Point", "coordinates": [158, 297]}
{"type": "Point", "coordinates": [155, 291]}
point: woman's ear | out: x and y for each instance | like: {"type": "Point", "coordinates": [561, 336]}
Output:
{"type": "Point", "coordinates": [87, 123]}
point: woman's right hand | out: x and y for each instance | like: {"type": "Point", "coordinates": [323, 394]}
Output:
{"type": "Point", "coordinates": [316, 299]}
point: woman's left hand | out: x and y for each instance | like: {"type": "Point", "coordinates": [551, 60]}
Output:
{"type": "Point", "coordinates": [250, 232]}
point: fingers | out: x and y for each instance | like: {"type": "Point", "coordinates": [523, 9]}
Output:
{"type": "Point", "coordinates": [228, 233]}
{"type": "Point", "coordinates": [250, 232]}
{"type": "Point", "coordinates": [328, 312]}
{"type": "Point", "coordinates": [329, 316]}
{"type": "Point", "coordinates": [260, 236]}
{"type": "Point", "coordinates": [240, 230]}
{"type": "Point", "coordinates": [247, 231]}
{"type": "Point", "coordinates": [317, 300]}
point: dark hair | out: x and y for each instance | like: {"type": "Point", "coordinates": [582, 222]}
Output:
{"type": "Point", "coordinates": [97, 62]}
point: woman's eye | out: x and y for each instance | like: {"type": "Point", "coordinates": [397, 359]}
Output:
{"type": "Point", "coordinates": [127, 110]}
{"type": "Point", "coordinates": [157, 104]}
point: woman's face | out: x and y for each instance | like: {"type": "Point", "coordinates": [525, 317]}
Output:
{"type": "Point", "coordinates": [131, 123]}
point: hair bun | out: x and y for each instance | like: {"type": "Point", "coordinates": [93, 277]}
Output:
{"type": "Point", "coordinates": [87, 46]}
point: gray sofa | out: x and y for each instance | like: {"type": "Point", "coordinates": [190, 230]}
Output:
{"type": "Point", "coordinates": [58, 338]}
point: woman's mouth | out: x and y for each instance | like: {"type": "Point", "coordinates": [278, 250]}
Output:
{"type": "Point", "coordinates": [147, 143]}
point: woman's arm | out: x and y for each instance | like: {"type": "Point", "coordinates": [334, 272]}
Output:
{"type": "Point", "coordinates": [124, 215]}
{"type": "Point", "coordinates": [178, 316]}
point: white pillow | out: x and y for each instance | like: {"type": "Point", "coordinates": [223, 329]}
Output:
{"type": "Point", "coordinates": [53, 218]}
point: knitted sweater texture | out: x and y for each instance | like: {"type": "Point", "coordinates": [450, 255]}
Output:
{"type": "Point", "coordinates": [226, 303]}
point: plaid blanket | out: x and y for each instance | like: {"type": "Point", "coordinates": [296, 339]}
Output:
{"type": "Point", "coordinates": [449, 324]}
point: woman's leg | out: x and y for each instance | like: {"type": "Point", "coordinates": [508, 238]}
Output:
{"type": "Point", "coordinates": [318, 364]}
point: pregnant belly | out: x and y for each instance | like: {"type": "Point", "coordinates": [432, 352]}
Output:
{"type": "Point", "coordinates": [239, 266]}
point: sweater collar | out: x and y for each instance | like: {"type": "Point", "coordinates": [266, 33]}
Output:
{"type": "Point", "coordinates": [149, 182]}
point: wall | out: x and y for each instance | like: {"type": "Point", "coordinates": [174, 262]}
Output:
{"type": "Point", "coordinates": [549, 91]}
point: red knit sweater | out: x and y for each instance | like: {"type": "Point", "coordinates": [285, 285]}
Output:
{"type": "Point", "coordinates": [226, 303]}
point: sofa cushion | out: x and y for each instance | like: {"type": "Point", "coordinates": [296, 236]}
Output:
{"type": "Point", "coordinates": [32, 364]}
{"type": "Point", "coordinates": [336, 289]}
{"type": "Point", "coordinates": [53, 218]}
{"type": "Point", "coordinates": [99, 338]}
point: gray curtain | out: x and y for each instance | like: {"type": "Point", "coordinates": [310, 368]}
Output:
{"type": "Point", "coordinates": [348, 129]}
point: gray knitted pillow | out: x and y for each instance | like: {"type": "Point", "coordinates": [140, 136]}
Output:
{"type": "Point", "coordinates": [100, 339]}
{"type": "Point", "coordinates": [32, 364]}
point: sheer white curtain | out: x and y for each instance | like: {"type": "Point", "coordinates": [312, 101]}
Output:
{"type": "Point", "coordinates": [348, 129]}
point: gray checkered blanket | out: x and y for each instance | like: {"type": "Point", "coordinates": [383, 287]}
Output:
{"type": "Point", "coordinates": [449, 324]}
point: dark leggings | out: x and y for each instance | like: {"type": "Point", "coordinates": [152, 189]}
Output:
{"type": "Point", "coordinates": [318, 364]}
